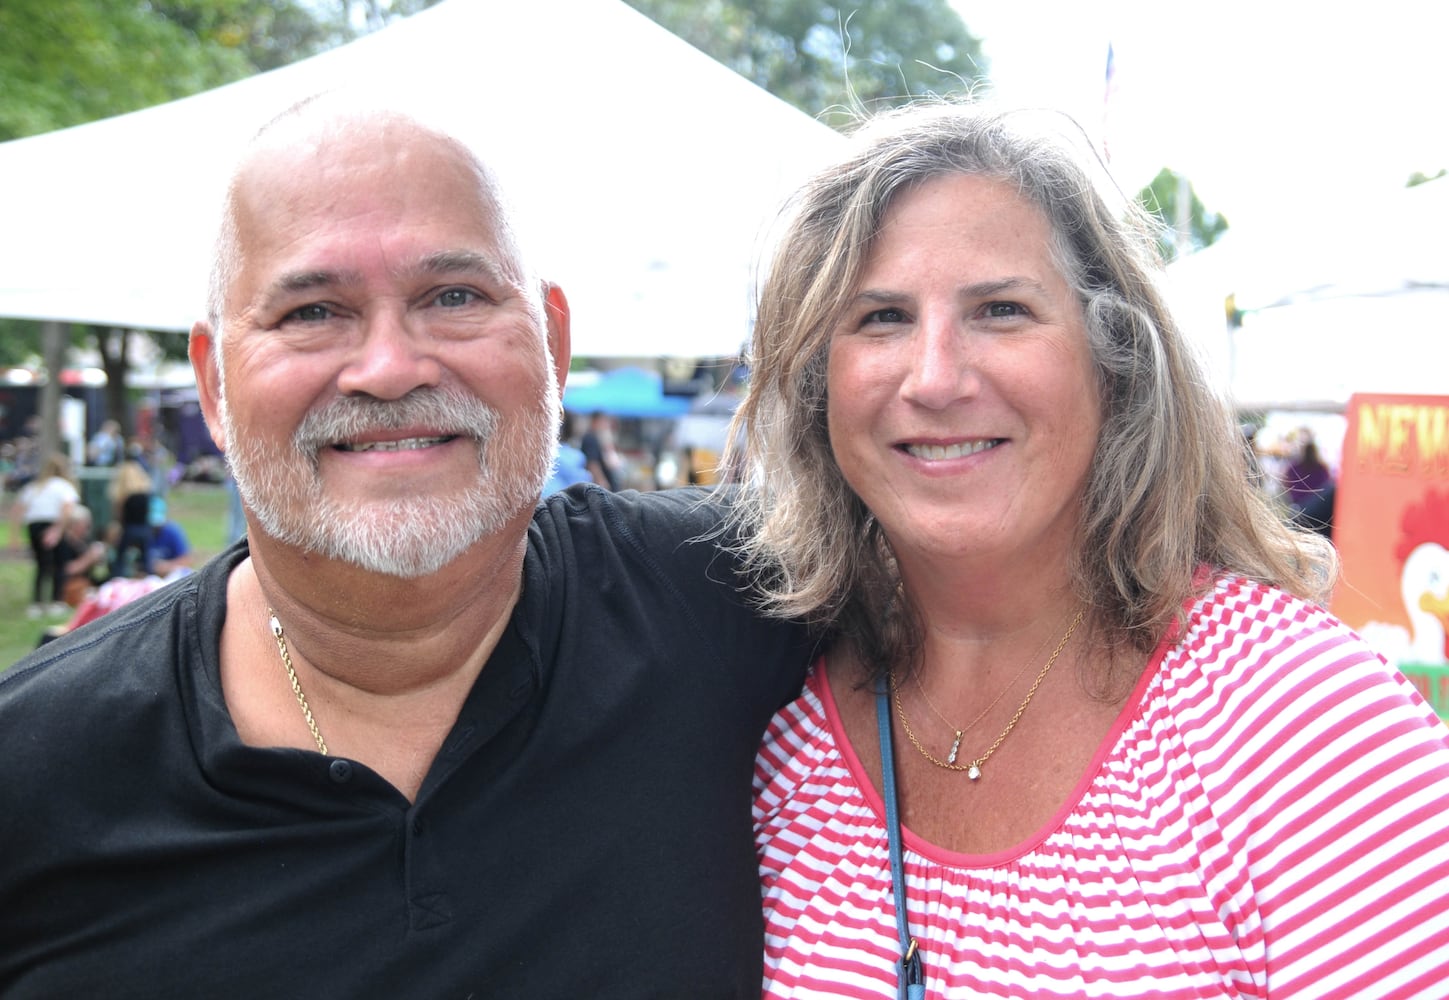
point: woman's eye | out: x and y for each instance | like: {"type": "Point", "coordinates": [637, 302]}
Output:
{"type": "Point", "coordinates": [885, 316]}
{"type": "Point", "coordinates": [1004, 309]}
{"type": "Point", "coordinates": [311, 313]}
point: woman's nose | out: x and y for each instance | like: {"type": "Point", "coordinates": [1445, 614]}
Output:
{"type": "Point", "coordinates": [940, 371]}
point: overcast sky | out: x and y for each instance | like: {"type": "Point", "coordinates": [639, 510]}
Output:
{"type": "Point", "coordinates": [1271, 108]}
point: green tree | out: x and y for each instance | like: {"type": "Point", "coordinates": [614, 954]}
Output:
{"type": "Point", "coordinates": [828, 60]}
{"type": "Point", "coordinates": [1163, 197]}
{"type": "Point", "coordinates": [65, 62]}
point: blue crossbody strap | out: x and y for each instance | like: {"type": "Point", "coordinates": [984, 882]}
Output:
{"type": "Point", "coordinates": [912, 975]}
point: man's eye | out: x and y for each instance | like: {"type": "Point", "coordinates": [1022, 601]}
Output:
{"type": "Point", "coordinates": [454, 297]}
{"type": "Point", "coordinates": [312, 313]}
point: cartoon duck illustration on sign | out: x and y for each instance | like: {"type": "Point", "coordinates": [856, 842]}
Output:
{"type": "Point", "coordinates": [1423, 549]}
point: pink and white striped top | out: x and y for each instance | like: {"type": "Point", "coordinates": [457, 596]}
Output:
{"type": "Point", "coordinates": [1269, 817]}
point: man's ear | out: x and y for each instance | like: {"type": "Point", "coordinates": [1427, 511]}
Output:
{"type": "Point", "coordinates": [556, 317]}
{"type": "Point", "coordinates": [205, 358]}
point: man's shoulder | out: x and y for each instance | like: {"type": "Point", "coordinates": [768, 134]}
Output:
{"type": "Point", "coordinates": [671, 538]}
{"type": "Point", "coordinates": [96, 694]}
{"type": "Point", "coordinates": [689, 509]}
{"type": "Point", "coordinates": [105, 646]}
{"type": "Point", "coordinates": [606, 569]}
{"type": "Point", "coordinates": [133, 647]}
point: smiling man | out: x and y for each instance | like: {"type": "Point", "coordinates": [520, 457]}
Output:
{"type": "Point", "coordinates": [419, 735]}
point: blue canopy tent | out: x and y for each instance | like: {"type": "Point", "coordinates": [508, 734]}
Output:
{"type": "Point", "coordinates": [625, 392]}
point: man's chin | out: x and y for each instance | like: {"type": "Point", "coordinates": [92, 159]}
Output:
{"type": "Point", "coordinates": [400, 528]}
{"type": "Point", "coordinates": [408, 538]}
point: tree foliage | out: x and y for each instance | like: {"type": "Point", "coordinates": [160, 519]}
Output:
{"type": "Point", "coordinates": [66, 62]}
{"type": "Point", "coordinates": [1162, 198]}
{"type": "Point", "coordinates": [826, 58]}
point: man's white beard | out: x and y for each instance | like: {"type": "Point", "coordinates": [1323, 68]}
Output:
{"type": "Point", "coordinates": [409, 537]}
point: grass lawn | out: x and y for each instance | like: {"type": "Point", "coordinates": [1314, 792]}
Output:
{"type": "Point", "coordinates": [199, 508]}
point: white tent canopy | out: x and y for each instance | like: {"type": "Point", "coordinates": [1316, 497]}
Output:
{"type": "Point", "coordinates": [1353, 300]}
{"type": "Point", "coordinates": [646, 172]}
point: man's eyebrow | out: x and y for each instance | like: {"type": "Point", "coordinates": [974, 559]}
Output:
{"type": "Point", "coordinates": [462, 261]}
{"type": "Point", "coordinates": [301, 281]}
{"type": "Point", "coordinates": [440, 262]}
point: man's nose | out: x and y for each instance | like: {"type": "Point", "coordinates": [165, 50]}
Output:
{"type": "Point", "coordinates": [393, 356]}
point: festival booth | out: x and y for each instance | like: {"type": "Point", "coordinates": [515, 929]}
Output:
{"type": "Point", "coordinates": [1353, 300]}
{"type": "Point", "coordinates": [1392, 532]}
{"type": "Point", "coordinates": [664, 438]}
{"type": "Point", "coordinates": [646, 173]}
{"type": "Point", "coordinates": [1346, 319]}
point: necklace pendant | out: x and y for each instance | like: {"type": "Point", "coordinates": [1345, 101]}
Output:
{"type": "Point", "coordinates": [974, 772]}
{"type": "Point", "coordinates": [955, 748]}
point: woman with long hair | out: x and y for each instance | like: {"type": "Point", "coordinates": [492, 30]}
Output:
{"type": "Point", "coordinates": [1082, 726]}
{"type": "Point", "coordinates": [131, 496]}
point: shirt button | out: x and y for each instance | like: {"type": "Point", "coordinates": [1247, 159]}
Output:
{"type": "Point", "coordinates": [340, 771]}
{"type": "Point", "coordinates": [417, 826]}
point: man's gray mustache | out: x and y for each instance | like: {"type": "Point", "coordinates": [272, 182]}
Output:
{"type": "Point", "coordinates": [348, 417]}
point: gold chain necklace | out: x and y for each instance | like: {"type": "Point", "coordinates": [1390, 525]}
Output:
{"type": "Point", "coordinates": [973, 769]}
{"type": "Point", "coordinates": [281, 638]}
{"type": "Point", "coordinates": [959, 733]}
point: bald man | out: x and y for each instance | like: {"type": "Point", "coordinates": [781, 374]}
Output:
{"type": "Point", "coordinates": [417, 735]}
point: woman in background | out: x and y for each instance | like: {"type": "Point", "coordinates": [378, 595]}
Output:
{"type": "Point", "coordinates": [1079, 679]}
{"type": "Point", "coordinates": [131, 494]}
{"type": "Point", "coordinates": [44, 507]}
{"type": "Point", "coordinates": [1309, 487]}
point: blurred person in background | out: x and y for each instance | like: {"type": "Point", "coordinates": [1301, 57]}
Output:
{"type": "Point", "coordinates": [168, 548]}
{"type": "Point", "coordinates": [601, 458]}
{"type": "Point", "coordinates": [107, 447]}
{"type": "Point", "coordinates": [41, 512]}
{"type": "Point", "coordinates": [84, 558]}
{"type": "Point", "coordinates": [1308, 485]}
{"type": "Point", "coordinates": [25, 455]}
{"type": "Point", "coordinates": [569, 464]}
{"type": "Point", "coordinates": [131, 493]}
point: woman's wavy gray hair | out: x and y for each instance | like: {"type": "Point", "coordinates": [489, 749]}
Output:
{"type": "Point", "coordinates": [1168, 492]}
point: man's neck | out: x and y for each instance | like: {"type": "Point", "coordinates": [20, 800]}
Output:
{"type": "Point", "coordinates": [384, 663]}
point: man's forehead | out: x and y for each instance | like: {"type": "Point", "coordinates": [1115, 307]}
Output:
{"type": "Point", "coordinates": [329, 119]}
{"type": "Point", "coordinates": [331, 172]}
{"type": "Point", "coordinates": [331, 176]}
{"type": "Point", "coordinates": [318, 149]}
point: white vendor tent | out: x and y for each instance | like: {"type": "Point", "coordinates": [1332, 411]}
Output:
{"type": "Point", "coordinates": [1353, 300]}
{"type": "Point", "coordinates": [647, 173]}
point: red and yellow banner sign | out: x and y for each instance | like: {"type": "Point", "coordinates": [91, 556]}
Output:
{"type": "Point", "coordinates": [1391, 527]}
